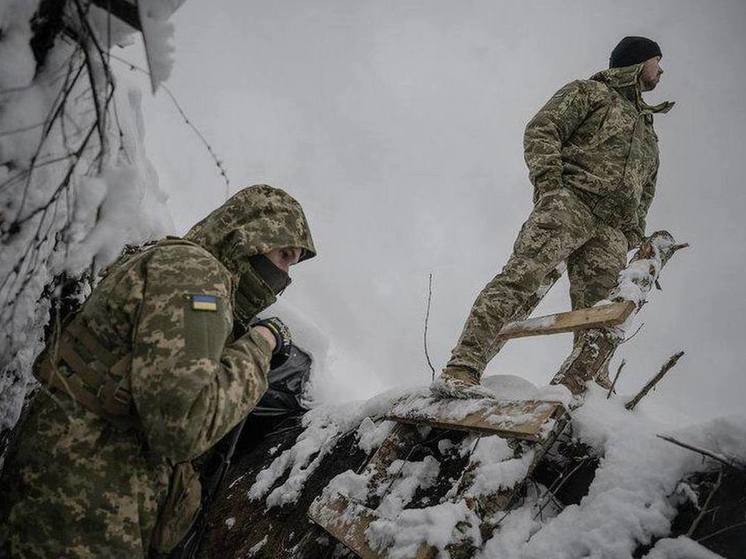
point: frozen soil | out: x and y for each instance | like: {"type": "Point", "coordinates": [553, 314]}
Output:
{"type": "Point", "coordinates": [720, 522]}
{"type": "Point", "coordinates": [281, 529]}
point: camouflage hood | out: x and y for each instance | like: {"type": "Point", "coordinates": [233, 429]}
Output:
{"type": "Point", "coordinates": [253, 221]}
{"type": "Point", "coordinates": [626, 80]}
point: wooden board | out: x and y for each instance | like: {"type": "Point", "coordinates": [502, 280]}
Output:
{"type": "Point", "coordinates": [518, 419]}
{"type": "Point", "coordinates": [490, 508]}
{"type": "Point", "coordinates": [347, 522]}
{"type": "Point", "coordinates": [530, 305]}
{"type": "Point", "coordinates": [602, 316]}
{"type": "Point", "coordinates": [396, 445]}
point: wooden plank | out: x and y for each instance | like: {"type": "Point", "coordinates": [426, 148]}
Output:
{"type": "Point", "coordinates": [490, 507]}
{"type": "Point", "coordinates": [518, 419]}
{"type": "Point", "coordinates": [347, 522]}
{"type": "Point", "coordinates": [530, 305]}
{"type": "Point", "coordinates": [602, 316]}
{"type": "Point", "coordinates": [401, 438]}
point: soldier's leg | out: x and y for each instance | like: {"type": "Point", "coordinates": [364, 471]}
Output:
{"type": "Point", "coordinates": [557, 226]}
{"type": "Point", "coordinates": [593, 270]}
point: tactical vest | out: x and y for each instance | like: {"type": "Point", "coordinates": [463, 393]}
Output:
{"type": "Point", "coordinates": [77, 364]}
{"type": "Point", "coordinates": [81, 367]}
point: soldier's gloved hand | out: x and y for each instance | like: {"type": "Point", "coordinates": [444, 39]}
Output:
{"type": "Point", "coordinates": [283, 339]}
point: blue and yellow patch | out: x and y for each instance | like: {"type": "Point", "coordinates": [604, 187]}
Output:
{"type": "Point", "coordinates": [204, 303]}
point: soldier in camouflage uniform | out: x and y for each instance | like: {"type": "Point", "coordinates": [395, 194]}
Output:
{"type": "Point", "coordinates": [592, 156]}
{"type": "Point", "coordinates": [146, 377]}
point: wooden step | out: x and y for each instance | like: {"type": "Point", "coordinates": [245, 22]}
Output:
{"type": "Point", "coordinates": [603, 316]}
{"type": "Point", "coordinates": [520, 419]}
{"type": "Point", "coordinates": [491, 508]}
{"type": "Point", "coordinates": [396, 445]}
{"type": "Point", "coordinates": [348, 522]}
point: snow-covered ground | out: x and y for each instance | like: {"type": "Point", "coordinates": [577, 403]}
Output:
{"type": "Point", "coordinates": [632, 499]}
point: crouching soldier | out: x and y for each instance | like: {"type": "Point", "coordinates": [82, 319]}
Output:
{"type": "Point", "coordinates": [146, 377]}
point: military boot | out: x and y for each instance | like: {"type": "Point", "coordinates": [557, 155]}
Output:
{"type": "Point", "coordinates": [460, 383]}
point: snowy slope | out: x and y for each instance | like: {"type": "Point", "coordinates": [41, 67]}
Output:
{"type": "Point", "coordinates": [632, 499]}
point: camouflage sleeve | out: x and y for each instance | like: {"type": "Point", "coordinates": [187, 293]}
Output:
{"type": "Point", "coordinates": [190, 387]}
{"type": "Point", "coordinates": [545, 134]}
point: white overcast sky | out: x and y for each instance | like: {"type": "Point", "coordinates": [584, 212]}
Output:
{"type": "Point", "coordinates": [398, 125]}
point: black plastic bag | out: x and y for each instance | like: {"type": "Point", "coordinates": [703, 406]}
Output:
{"type": "Point", "coordinates": [287, 384]}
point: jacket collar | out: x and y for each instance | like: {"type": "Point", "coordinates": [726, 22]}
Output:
{"type": "Point", "coordinates": [626, 81]}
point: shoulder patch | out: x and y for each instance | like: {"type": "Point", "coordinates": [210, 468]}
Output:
{"type": "Point", "coordinates": [204, 302]}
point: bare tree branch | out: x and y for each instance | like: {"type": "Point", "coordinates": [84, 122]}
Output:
{"type": "Point", "coordinates": [651, 384]}
{"type": "Point", "coordinates": [718, 532]}
{"type": "Point", "coordinates": [706, 506]}
{"type": "Point", "coordinates": [628, 338]}
{"type": "Point", "coordinates": [562, 480]}
{"type": "Point", "coordinates": [616, 377]}
{"type": "Point", "coordinates": [728, 461]}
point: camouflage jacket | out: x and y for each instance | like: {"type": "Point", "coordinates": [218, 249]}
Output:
{"type": "Point", "coordinates": [79, 487]}
{"type": "Point", "coordinates": [596, 137]}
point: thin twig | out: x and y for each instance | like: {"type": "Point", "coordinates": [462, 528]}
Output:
{"type": "Point", "coordinates": [54, 112]}
{"type": "Point", "coordinates": [45, 208]}
{"type": "Point", "coordinates": [728, 461]}
{"type": "Point", "coordinates": [651, 384]}
{"type": "Point", "coordinates": [427, 319]}
{"type": "Point", "coordinates": [88, 58]}
{"type": "Point", "coordinates": [708, 536]}
{"type": "Point", "coordinates": [706, 506]}
{"type": "Point", "coordinates": [552, 490]}
{"type": "Point", "coordinates": [101, 111]}
{"type": "Point", "coordinates": [616, 377]}
{"type": "Point", "coordinates": [625, 340]}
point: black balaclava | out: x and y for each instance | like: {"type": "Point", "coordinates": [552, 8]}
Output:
{"type": "Point", "coordinates": [633, 50]}
{"type": "Point", "coordinates": [276, 279]}
{"type": "Point", "coordinates": [258, 288]}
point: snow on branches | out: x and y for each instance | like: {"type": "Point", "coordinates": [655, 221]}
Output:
{"type": "Point", "coordinates": [75, 184]}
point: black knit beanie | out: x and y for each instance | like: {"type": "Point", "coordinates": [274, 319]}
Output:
{"type": "Point", "coordinates": [633, 50]}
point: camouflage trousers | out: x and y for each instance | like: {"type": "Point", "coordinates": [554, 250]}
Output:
{"type": "Point", "coordinates": [560, 228]}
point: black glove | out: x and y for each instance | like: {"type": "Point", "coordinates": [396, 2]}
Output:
{"type": "Point", "coordinates": [283, 340]}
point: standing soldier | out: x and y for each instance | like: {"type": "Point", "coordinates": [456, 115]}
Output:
{"type": "Point", "coordinates": [146, 377]}
{"type": "Point", "coordinates": [592, 156]}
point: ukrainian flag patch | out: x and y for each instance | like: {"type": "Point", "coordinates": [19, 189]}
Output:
{"type": "Point", "coordinates": [204, 303]}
